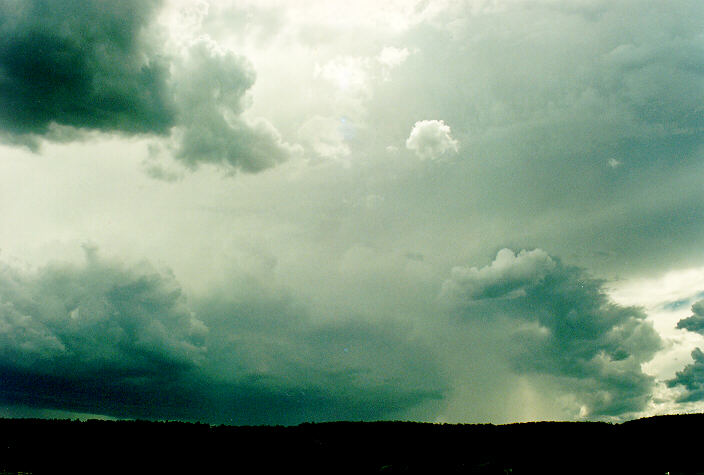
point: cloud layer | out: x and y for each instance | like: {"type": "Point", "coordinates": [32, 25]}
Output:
{"type": "Point", "coordinates": [124, 341]}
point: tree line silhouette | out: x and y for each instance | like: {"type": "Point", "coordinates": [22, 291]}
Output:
{"type": "Point", "coordinates": [657, 445]}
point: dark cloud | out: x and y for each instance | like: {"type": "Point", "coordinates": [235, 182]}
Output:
{"type": "Point", "coordinates": [88, 65]}
{"type": "Point", "coordinates": [81, 63]}
{"type": "Point", "coordinates": [97, 321]}
{"type": "Point", "coordinates": [341, 368]}
{"type": "Point", "coordinates": [695, 323]}
{"type": "Point", "coordinates": [124, 341]}
{"type": "Point", "coordinates": [562, 325]}
{"type": "Point", "coordinates": [692, 378]}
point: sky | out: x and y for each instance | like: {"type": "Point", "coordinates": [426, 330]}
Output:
{"type": "Point", "coordinates": [273, 212]}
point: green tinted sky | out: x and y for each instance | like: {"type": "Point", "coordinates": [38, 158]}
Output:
{"type": "Point", "coordinates": [274, 211]}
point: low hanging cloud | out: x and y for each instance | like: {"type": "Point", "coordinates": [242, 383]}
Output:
{"type": "Point", "coordinates": [431, 139]}
{"type": "Point", "coordinates": [83, 65]}
{"type": "Point", "coordinates": [561, 325]}
{"type": "Point", "coordinates": [125, 341]}
{"type": "Point", "coordinates": [90, 330]}
{"type": "Point", "coordinates": [692, 376]}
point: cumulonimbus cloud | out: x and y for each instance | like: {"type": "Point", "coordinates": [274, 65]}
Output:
{"type": "Point", "coordinates": [563, 326]}
{"type": "Point", "coordinates": [105, 338]}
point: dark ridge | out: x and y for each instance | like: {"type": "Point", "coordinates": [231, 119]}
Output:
{"type": "Point", "coordinates": [655, 445]}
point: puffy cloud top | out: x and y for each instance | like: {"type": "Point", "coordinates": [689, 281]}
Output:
{"type": "Point", "coordinates": [507, 276]}
{"type": "Point", "coordinates": [97, 319]}
{"type": "Point", "coordinates": [431, 139]}
{"type": "Point", "coordinates": [562, 325]}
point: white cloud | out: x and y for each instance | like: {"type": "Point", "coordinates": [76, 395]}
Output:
{"type": "Point", "coordinates": [390, 58]}
{"type": "Point", "coordinates": [431, 139]}
{"type": "Point", "coordinates": [325, 137]}
{"type": "Point", "coordinates": [346, 73]}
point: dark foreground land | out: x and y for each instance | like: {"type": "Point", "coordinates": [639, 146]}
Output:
{"type": "Point", "coordinates": [655, 445]}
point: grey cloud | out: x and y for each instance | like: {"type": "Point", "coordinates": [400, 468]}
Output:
{"type": "Point", "coordinates": [541, 111]}
{"type": "Point", "coordinates": [562, 325]}
{"type": "Point", "coordinates": [97, 319]}
{"type": "Point", "coordinates": [210, 91]}
{"type": "Point", "coordinates": [365, 370]}
{"type": "Point", "coordinates": [691, 378]}
{"type": "Point", "coordinates": [90, 66]}
{"type": "Point", "coordinates": [123, 341]}
{"type": "Point", "coordinates": [508, 275]}
{"type": "Point", "coordinates": [695, 323]}
{"type": "Point", "coordinates": [81, 63]}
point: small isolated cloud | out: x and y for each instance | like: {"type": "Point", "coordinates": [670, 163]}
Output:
{"type": "Point", "coordinates": [562, 326]}
{"type": "Point", "coordinates": [431, 139]}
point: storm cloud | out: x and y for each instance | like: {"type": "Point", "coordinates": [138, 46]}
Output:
{"type": "Point", "coordinates": [691, 377]}
{"type": "Point", "coordinates": [81, 63]}
{"type": "Point", "coordinates": [85, 65]}
{"type": "Point", "coordinates": [561, 324]}
{"type": "Point", "coordinates": [694, 323]}
{"type": "Point", "coordinates": [104, 338]}
{"type": "Point", "coordinates": [398, 143]}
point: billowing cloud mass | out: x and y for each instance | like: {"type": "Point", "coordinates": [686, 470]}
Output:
{"type": "Point", "coordinates": [692, 376]}
{"type": "Point", "coordinates": [562, 325]}
{"type": "Point", "coordinates": [125, 341]}
{"type": "Point", "coordinates": [81, 63]}
{"type": "Point", "coordinates": [431, 139]}
{"type": "Point", "coordinates": [210, 92]}
{"type": "Point", "coordinates": [85, 65]}
{"type": "Point", "coordinates": [695, 323]}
